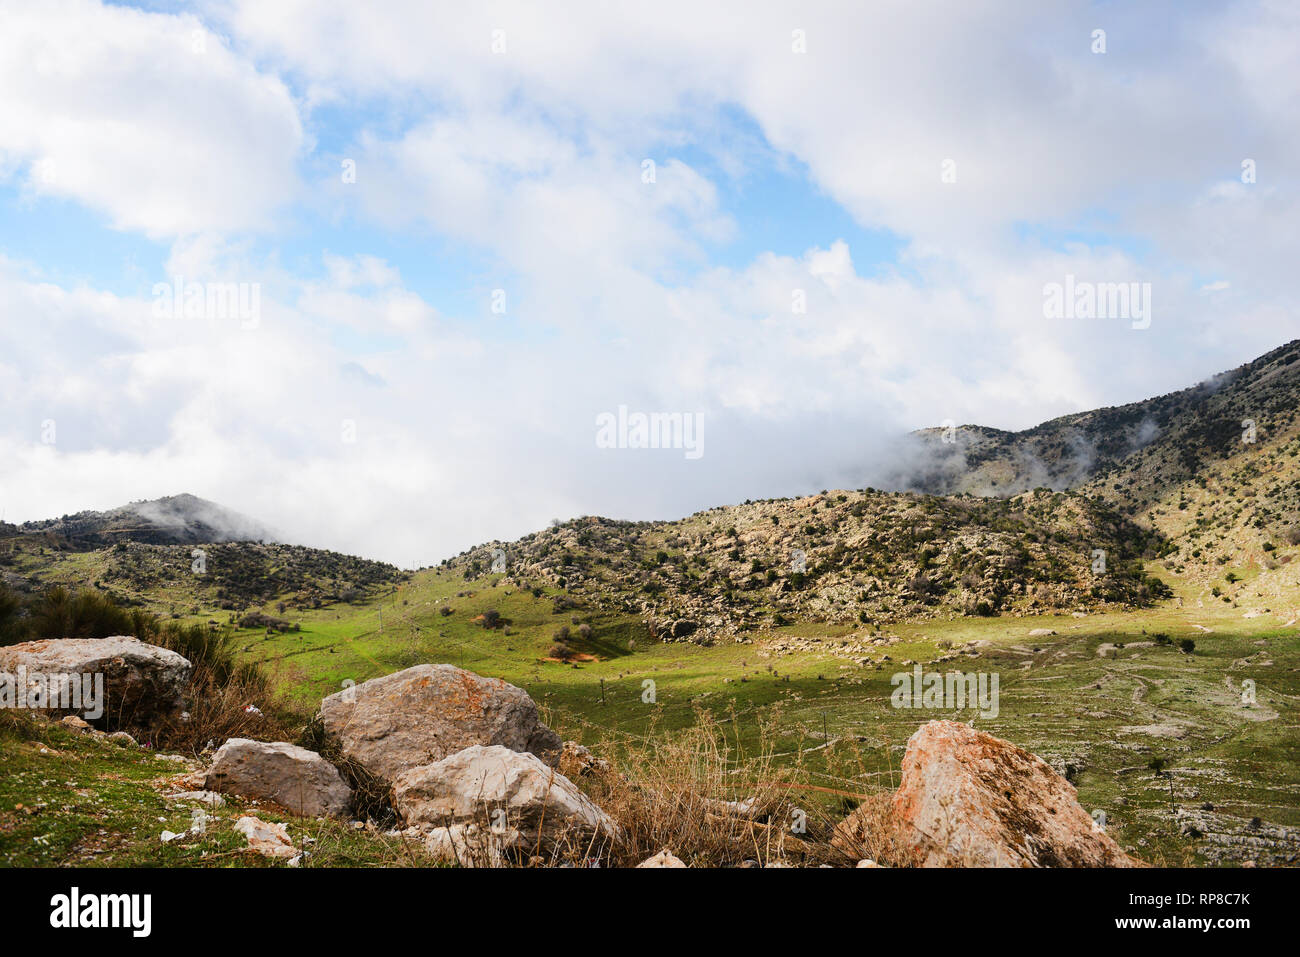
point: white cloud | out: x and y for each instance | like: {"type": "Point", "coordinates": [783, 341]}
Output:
{"type": "Point", "coordinates": [468, 430]}
{"type": "Point", "coordinates": [148, 118]}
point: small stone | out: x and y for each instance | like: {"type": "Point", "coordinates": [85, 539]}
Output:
{"type": "Point", "coordinates": [664, 858]}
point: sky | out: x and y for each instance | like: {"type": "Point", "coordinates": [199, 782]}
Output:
{"type": "Point", "coordinates": [465, 235]}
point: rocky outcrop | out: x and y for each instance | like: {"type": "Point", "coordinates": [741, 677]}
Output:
{"type": "Point", "coordinates": [502, 789]}
{"type": "Point", "coordinates": [292, 777]}
{"type": "Point", "coordinates": [141, 683]}
{"type": "Point", "coordinates": [423, 714]}
{"type": "Point", "coordinates": [968, 799]}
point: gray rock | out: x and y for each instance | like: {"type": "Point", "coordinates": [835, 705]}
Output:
{"type": "Point", "coordinates": [285, 774]}
{"type": "Point", "coordinates": [423, 714]}
{"type": "Point", "coordinates": [204, 797]}
{"type": "Point", "coordinates": [470, 845]}
{"type": "Point", "coordinates": [142, 684]}
{"type": "Point", "coordinates": [505, 790]}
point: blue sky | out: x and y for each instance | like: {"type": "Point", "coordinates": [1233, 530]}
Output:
{"type": "Point", "coordinates": [855, 214]}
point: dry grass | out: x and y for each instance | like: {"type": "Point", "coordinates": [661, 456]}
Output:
{"type": "Point", "coordinates": [241, 707]}
{"type": "Point", "coordinates": [872, 832]}
{"type": "Point", "coordinates": [692, 794]}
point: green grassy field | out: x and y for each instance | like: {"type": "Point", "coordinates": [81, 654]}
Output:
{"type": "Point", "coordinates": [71, 800]}
{"type": "Point", "coordinates": [1101, 700]}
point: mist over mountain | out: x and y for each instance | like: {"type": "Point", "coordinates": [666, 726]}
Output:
{"type": "Point", "coordinates": [1181, 432]}
{"type": "Point", "coordinates": [173, 520]}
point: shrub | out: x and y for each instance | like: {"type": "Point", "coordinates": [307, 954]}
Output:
{"type": "Point", "coordinates": [11, 623]}
{"type": "Point", "coordinates": [221, 686]}
{"type": "Point", "coordinates": [60, 613]}
{"type": "Point", "coordinates": [693, 793]}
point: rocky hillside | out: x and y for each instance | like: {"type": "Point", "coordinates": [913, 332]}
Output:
{"type": "Point", "coordinates": [862, 558]}
{"type": "Point", "coordinates": [231, 576]}
{"type": "Point", "coordinates": [1214, 469]}
{"type": "Point", "coordinates": [176, 519]}
{"type": "Point", "coordinates": [1146, 447]}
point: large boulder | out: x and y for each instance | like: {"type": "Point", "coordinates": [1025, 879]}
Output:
{"type": "Point", "coordinates": [968, 799]}
{"type": "Point", "coordinates": [141, 683]}
{"type": "Point", "coordinates": [423, 714]}
{"type": "Point", "coordinates": [285, 774]}
{"type": "Point", "coordinates": [504, 790]}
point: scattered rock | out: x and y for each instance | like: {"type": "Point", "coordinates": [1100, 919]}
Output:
{"type": "Point", "coordinates": [292, 777]}
{"type": "Point", "coordinates": [192, 781]}
{"type": "Point", "coordinates": [122, 738]}
{"type": "Point", "coordinates": [576, 761]}
{"type": "Point", "coordinates": [664, 858]}
{"type": "Point", "coordinates": [499, 787]}
{"type": "Point", "coordinates": [267, 838]}
{"type": "Point", "coordinates": [1041, 633]}
{"type": "Point", "coordinates": [204, 797]}
{"type": "Point", "coordinates": [969, 799]}
{"type": "Point", "coordinates": [75, 723]}
{"type": "Point", "coordinates": [423, 714]}
{"type": "Point", "coordinates": [745, 808]}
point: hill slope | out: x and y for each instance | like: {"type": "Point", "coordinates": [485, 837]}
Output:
{"type": "Point", "coordinates": [843, 557]}
{"type": "Point", "coordinates": [1173, 436]}
{"type": "Point", "coordinates": [1214, 469]}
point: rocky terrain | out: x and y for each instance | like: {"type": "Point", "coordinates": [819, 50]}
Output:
{"type": "Point", "coordinates": [858, 558]}
{"type": "Point", "coordinates": [997, 522]}
{"type": "Point", "coordinates": [461, 770]}
{"type": "Point", "coordinates": [1144, 447]}
{"type": "Point", "coordinates": [225, 577]}
{"type": "Point", "coordinates": [674, 693]}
